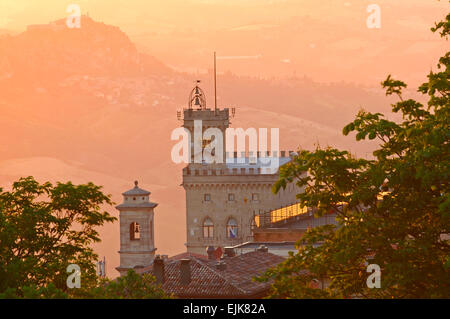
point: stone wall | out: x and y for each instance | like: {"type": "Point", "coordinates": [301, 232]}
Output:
{"type": "Point", "coordinates": [220, 209]}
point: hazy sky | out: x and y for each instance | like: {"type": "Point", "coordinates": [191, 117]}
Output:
{"type": "Point", "coordinates": [17, 14]}
{"type": "Point", "coordinates": [327, 40]}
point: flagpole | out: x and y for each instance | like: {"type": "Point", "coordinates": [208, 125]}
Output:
{"type": "Point", "coordinates": [215, 84]}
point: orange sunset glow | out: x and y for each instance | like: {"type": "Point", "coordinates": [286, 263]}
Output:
{"type": "Point", "coordinates": [99, 105]}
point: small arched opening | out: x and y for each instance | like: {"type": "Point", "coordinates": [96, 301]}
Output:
{"type": "Point", "coordinates": [135, 231]}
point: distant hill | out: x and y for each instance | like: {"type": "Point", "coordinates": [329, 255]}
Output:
{"type": "Point", "coordinates": [51, 52]}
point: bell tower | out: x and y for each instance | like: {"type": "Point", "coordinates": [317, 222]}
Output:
{"type": "Point", "coordinates": [137, 244]}
{"type": "Point", "coordinates": [197, 111]}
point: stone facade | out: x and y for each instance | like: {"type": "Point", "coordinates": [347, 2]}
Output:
{"type": "Point", "coordinates": [137, 248]}
{"type": "Point", "coordinates": [222, 198]}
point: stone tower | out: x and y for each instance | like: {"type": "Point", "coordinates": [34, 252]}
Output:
{"type": "Point", "coordinates": [223, 198]}
{"type": "Point", "coordinates": [210, 118]}
{"type": "Point", "coordinates": [137, 244]}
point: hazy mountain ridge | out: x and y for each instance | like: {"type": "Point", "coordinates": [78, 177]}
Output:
{"type": "Point", "coordinates": [53, 51]}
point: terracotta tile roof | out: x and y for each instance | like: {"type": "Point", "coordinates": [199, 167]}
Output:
{"type": "Point", "coordinates": [173, 258]}
{"type": "Point", "coordinates": [189, 255]}
{"type": "Point", "coordinates": [235, 281]}
{"type": "Point", "coordinates": [242, 268]}
{"type": "Point", "coordinates": [205, 281]}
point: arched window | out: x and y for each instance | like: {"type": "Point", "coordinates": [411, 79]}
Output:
{"type": "Point", "coordinates": [135, 231]}
{"type": "Point", "coordinates": [232, 228]}
{"type": "Point", "coordinates": [208, 228]}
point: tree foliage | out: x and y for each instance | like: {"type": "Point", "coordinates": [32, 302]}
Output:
{"type": "Point", "coordinates": [43, 229]}
{"type": "Point", "coordinates": [130, 286]}
{"type": "Point", "coordinates": [393, 210]}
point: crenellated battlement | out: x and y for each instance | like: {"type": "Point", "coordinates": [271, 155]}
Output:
{"type": "Point", "coordinates": [206, 114]}
{"type": "Point", "coordinates": [218, 172]}
{"type": "Point", "coordinates": [267, 154]}
{"type": "Point", "coordinates": [243, 165]}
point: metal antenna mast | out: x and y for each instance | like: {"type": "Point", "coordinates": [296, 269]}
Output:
{"type": "Point", "coordinates": [215, 83]}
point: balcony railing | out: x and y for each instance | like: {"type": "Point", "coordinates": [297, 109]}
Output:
{"type": "Point", "coordinates": [281, 214]}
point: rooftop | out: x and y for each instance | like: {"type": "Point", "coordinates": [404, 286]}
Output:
{"type": "Point", "coordinates": [269, 245]}
{"type": "Point", "coordinates": [136, 198]}
{"type": "Point", "coordinates": [260, 162]}
{"type": "Point", "coordinates": [136, 191]}
{"type": "Point", "coordinates": [208, 281]}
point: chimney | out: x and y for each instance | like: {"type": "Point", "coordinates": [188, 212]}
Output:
{"type": "Point", "coordinates": [221, 265]}
{"type": "Point", "coordinates": [210, 251]}
{"type": "Point", "coordinates": [218, 253]}
{"type": "Point", "coordinates": [263, 249]}
{"type": "Point", "coordinates": [229, 252]}
{"type": "Point", "coordinates": [158, 269]}
{"type": "Point", "coordinates": [185, 271]}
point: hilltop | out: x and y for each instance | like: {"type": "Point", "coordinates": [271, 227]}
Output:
{"type": "Point", "coordinates": [51, 52]}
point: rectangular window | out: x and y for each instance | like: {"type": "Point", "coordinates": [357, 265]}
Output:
{"type": "Point", "coordinates": [207, 197]}
{"type": "Point", "coordinates": [231, 197]}
{"type": "Point", "coordinates": [208, 229]}
{"type": "Point", "coordinates": [255, 196]}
